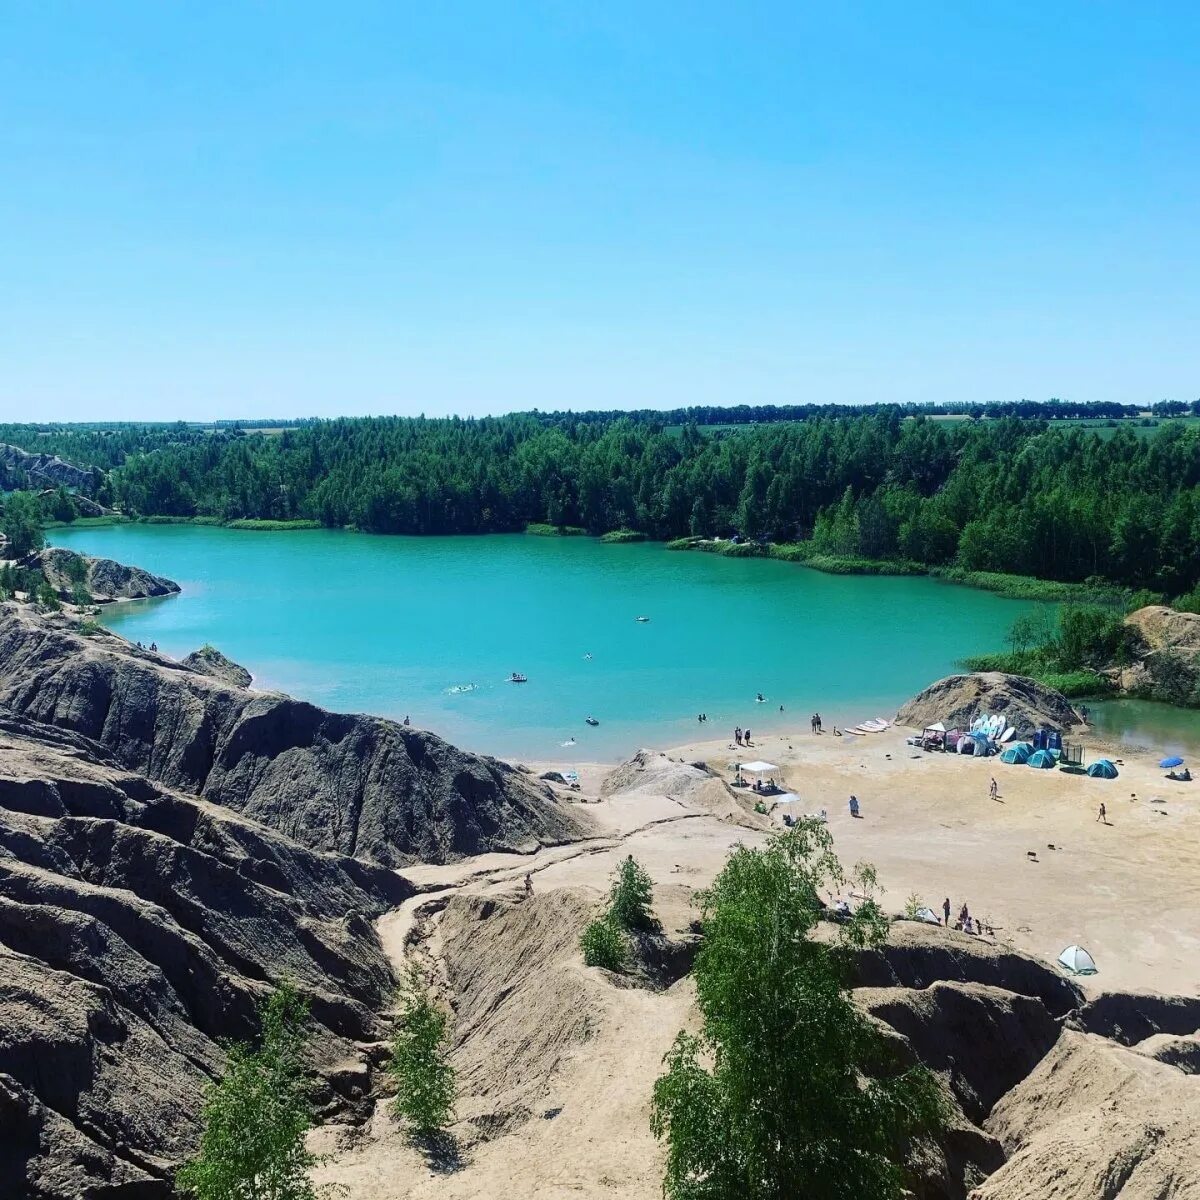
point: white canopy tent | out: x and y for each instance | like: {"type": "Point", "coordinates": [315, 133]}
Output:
{"type": "Point", "coordinates": [758, 767]}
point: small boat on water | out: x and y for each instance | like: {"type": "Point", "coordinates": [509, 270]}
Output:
{"type": "Point", "coordinates": [591, 720]}
{"type": "Point", "coordinates": [515, 677]}
{"type": "Point", "coordinates": [641, 620]}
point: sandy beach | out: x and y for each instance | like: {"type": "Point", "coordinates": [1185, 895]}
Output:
{"type": "Point", "coordinates": [1127, 890]}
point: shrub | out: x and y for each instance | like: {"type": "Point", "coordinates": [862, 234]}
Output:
{"type": "Point", "coordinates": [256, 1117]}
{"type": "Point", "coordinates": [623, 535]}
{"type": "Point", "coordinates": [424, 1076]}
{"type": "Point", "coordinates": [631, 896]}
{"type": "Point", "coordinates": [912, 906]}
{"type": "Point", "coordinates": [603, 944]}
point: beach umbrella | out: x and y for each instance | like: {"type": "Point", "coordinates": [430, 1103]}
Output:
{"type": "Point", "coordinates": [1018, 752]}
{"type": "Point", "coordinates": [1102, 769]}
{"type": "Point", "coordinates": [1042, 759]}
{"type": "Point", "coordinates": [1173, 761]}
{"type": "Point", "coordinates": [1077, 961]}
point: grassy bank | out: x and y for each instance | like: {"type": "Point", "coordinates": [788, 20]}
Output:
{"type": "Point", "coordinates": [1027, 587]}
{"type": "Point", "coordinates": [271, 526]}
{"type": "Point", "coordinates": [86, 522]}
{"type": "Point", "coordinates": [620, 536]}
{"type": "Point", "coordinates": [1079, 684]}
{"type": "Point", "coordinates": [802, 553]}
{"type": "Point", "coordinates": [541, 529]}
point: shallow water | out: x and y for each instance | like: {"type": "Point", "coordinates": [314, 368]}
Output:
{"type": "Point", "coordinates": [1145, 725]}
{"type": "Point", "coordinates": [432, 627]}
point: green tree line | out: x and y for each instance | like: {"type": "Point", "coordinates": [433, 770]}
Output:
{"type": "Point", "coordinates": [1029, 497]}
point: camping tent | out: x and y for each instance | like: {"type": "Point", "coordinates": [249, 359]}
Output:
{"type": "Point", "coordinates": [1077, 961]}
{"type": "Point", "coordinates": [928, 916]}
{"type": "Point", "coordinates": [1018, 752]}
{"type": "Point", "coordinates": [1102, 769]}
{"type": "Point", "coordinates": [1042, 759]}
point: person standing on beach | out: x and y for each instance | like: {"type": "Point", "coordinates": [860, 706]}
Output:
{"type": "Point", "coordinates": [1102, 815]}
{"type": "Point", "coordinates": [746, 738]}
{"type": "Point", "coordinates": [993, 788]}
{"type": "Point", "coordinates": [737, 735]}
{"type": "Point", "coordinates": [946, 911]}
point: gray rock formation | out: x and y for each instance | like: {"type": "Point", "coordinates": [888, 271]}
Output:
{"type": "Point", "coordinates": [20, 469]}
{"type": "Point", "coordinates": [955, 700]}
{"type": "Point", "coordinates": [104, 579]}
{"type": "Point", "coordinates": [138, 927]}
{"type": "Point", "coordinates": [353, 785]}
{"type": "Point", "coordinates": [208, 660]}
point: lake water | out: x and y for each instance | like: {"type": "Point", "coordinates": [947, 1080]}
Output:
{"type": "Point", "coordinates": [432, 627]}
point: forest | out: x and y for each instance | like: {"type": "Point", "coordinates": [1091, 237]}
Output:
{"type": "Point", "coordinates": [1006, 494]}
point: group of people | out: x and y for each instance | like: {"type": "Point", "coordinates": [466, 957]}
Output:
{"type": "Point", "coordinates": [815, 722]}
{"type": "Point", "coordinates": [153, 646]}
{"type": "Point", "coordinates": [966, 923]}
{"type": "Point", "coordinates": [741, 736]}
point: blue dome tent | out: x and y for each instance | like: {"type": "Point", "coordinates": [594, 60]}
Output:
{"type": "Point", "coordinates": [1102, 769]}
{"type": "Point", "coordinates": [1018, 753]}
{"type": "Point", "coordinates": [1043, 760]}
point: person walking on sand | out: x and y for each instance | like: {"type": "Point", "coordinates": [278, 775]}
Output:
{"type": "Point", "coordinates": [1102, 815]}
{"type": "Point", "coordinates": [528, 885]}
{"type": "Point", "coordinates": [854, 806]}
{"type": "Point", "coordinates": [993, 788]}
{"type": "Point", "coordinates": [946, 911]}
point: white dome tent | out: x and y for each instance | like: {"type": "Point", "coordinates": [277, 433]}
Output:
{"type": "Point", "coordinates": [1077, 961]}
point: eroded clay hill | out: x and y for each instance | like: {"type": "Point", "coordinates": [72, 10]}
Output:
{"type": "Point", "coordinates": [354, 785]}
{"type": "Point", "coordinates": [137, 928]}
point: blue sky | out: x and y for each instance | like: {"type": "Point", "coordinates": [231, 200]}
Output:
{"type": "Point", "coordinates": [271, 209]}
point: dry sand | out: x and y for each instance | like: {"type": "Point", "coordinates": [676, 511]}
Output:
{"type": "Point", "coordinates": [1129, 891]}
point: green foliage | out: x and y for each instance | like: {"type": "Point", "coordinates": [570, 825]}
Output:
{"type": "Point", "coordinates": [1004, 502]}
{"type": "Point", "coordinates": [1026, 587]}
{"type": "Point", "coordinates": [90, 627]}
{"type": "Point", "coordinates": [631, 896]}
{"type": "Point", "coordinates": [21, 523]}
{"type": "Point", "coordinates": [912, 906]}
{"type": "Point", "coordinates": [419, 1063]}
{"type": "Point", "coordinates": [268, 526]}
{"type": "Point", "coordinates": [542, 529]}
{"type": "Point", "coordinates": [59, 506]}
{"type": "Point", "coordinates": [46, 597]}
{"type": "Point", "coordinates": [77, 569]}
{"type": "Point", "coordinates": [80, 596]}
{"type": "Point", "coordinates": [1077, 684]}
{"type": "Point", "coordinates": [788, 1090]}
{"type": "Point", "coordinates": [603, 944]}
{"type": "Point", "coordinates": [1189, 602]}
{"type": "Point", "coordinates": [256, 1117]}
{"type": "Point", "coordinates": [619, 536]}
{"type": "Point", "coordinates": [1092, 637]}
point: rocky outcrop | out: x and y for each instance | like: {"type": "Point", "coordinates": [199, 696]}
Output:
{"type": "Point", "coordinates": [138, 928]}
{"type": "Point", "coordinates": [19, 470]}
{"type": "Point", "coordinates": [104, 579]}
{"type": "Point", "coordinates": [1166, 656]}
{"type": "Point", "coordinates": [354, 785]}
{"type": "Point", "coordinates": [208, 660]}
{"type": "Point", "coordinates": [957, 699]}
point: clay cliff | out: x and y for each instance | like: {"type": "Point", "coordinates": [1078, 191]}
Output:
{"type": "Point", "coordinates": [137, 928]}
{"type": "Point", "coordinates": [103, 578]}
{"type": "Point", "coordinates": [20, 469]}
{"type": "Point", "coordinates": [354, 785]}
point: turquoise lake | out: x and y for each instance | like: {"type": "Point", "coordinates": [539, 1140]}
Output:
{"type": "Point", "coordinates": [432, 627]}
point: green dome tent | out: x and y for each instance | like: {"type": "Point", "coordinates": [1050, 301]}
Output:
{"type": "Point", "coordinates": [1043, 760]}
{"type": "Point", "coordinates": [1102, 769]}
{"type": "Point", "coordinates": [1018, 753]}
